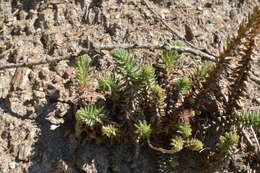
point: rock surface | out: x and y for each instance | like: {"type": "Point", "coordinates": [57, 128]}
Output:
{"type": "Point", "coordinates": [36, 114]}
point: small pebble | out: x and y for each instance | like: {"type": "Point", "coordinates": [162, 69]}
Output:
{"type": "Point", "coordinates": [257, 100]}
{"type": "Point", "coordinates": [12, 165]}
{"type": "Point", "coordinates": [53, 127]}
{"type": "Point", "coordinates": [39, 94]}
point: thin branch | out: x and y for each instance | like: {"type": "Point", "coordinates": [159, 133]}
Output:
{"type": "Point", "coordinates": [254, 134]}
{"type": "Point", "coordinates": [247, 137]}
{"type": "Point", "coordinates": [157, 46]}
{"type": "Point", "coordinates": [175, 32]}
{"type": "Point", "coordinates": [45, 61]}
{"type": "Point", "coordinates": [160, 149]}
{"type": "Point", "coordinates": [110, 47]}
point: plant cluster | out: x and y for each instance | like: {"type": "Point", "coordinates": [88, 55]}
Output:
{"type": "Point", "coordinates": [135, 104]}
{"type": "Point", "coordinates": [228, 142]}
{"type": "Point", "coordinates": [227, 107]}
{"type": "Point", "coordinates": [142, 102]}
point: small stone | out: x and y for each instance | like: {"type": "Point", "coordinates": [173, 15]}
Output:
{"type": "Point", "coordinates": [39, 94]}
{"type": "Point", "coordinates": [208, 5]}
{"type": "Point", "coordinates": [199, 8]}
{"type": "Point", "coordinates": [68, 73]}
{"type": "Point", "coordinates": [12, 165]}
{"type": "Point", "coordinates": [22, 15]}
{"type": "Point", "coordinates": [57, 79]}
{"type": "Point", "coordinates": [257, 100]}
{"type": "Point", "coordinates": [60, 69]}
{"type": "Point", "coordinates": [11, 127]}
{"type": "Point", "coordinates": [17, 106]}
{"type": "Point", "coordinates": [232, 14]}
{"type": "Point", "coordinates": [30, 109]}
{"type": "Point", "coordinates": [53, 127]}
{"type": "Point", "coordinates": [24, 152]}
{"type": "Point", "coordinates": [61, 109]}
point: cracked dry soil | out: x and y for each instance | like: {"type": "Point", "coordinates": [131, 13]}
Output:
{"type": "Point", "coordinates": [36, 103]}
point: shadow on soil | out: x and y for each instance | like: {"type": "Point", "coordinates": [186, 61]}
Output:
{"type": "Point", "coordinates": [52, 144]}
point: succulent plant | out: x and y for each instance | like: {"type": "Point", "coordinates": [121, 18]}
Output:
{"type": "Point", "coordinates": [194, 145]}
{"type": "Point", "coordinates": [143, 129]}
{"type": "Point", "coordinates": [109, 130]}
{"type": "Point", "coordinates": [185, 130]}
{"type": "Point", "coordinates": [157, 94]}
{"type": "Point", "coordinates": [126, 65]}
{"type": "Point", "coordinates": [228, 142]}
{"type": "Point", "coordinates": [83, 70]}
{"type": "Point", "coordinates": [147, 75]}
{"type": "Point", "coordinates": [111, 85]}
{"type": "Point", "coordinates": [183, 85]}
{"type": "Point", "coordinates": [90, 115]}
{"type": "Point", "coordinates": [177, 143]}
{"type": "Point", "coordinates": [248, 118]}
{"type": "Point", "coordinates": [203, 70]}
{"type": "Point", "coordinates": [169, 59]}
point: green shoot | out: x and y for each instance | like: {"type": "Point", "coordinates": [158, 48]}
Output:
{"type": "Point", "coordinates": [143, 129]}
{"type": "Point", "coordinates": [203, 70]}
{"type": "Point", "coordinates": [249, 118]}
{"type": "Point", "coordinates": [183, 85]}
{"type": "Point", "coordinates": [157, 95]}
{"type": "Point", "coordinates": [169, 59]}
{"type": "Point", "coordinates": [83, 71]}
{"type": "Point", "coordinates": [185, 130]}
{"type": "Point", "coordinates": [110, 84]}
{"type": "Point", "coordinates": [177, 43]}
{"type": "Point", "coordinates": [147, 75]}
{"type": "Point", "coordinates": [90, 115]}
{"type": "Point", "coordinates": [126, 65]}
{"type": "Point", "coordinates": [109, 130]}
{"type": "Point", "coordinates": [177, 143]}
{"type": "Point", "coordinates": [194, 145]}
{"type": "Point", "coordinates": [228, 142]}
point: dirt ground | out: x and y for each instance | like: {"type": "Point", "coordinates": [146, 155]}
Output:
{"type": "Point", "coordinates": [36, 103]}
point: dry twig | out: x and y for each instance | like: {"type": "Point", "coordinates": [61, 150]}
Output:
{"type": "Point", "coordinates": [158, 46]}
{"type": "Point", "coordinates": [45, 61]}
{"type": "Point", "coordinates": [162, 150]}
{"type": "Point", "coordinates": [110, 47]}
{"type": "Point", "coordinates": [255, 137]}
{"type": "Point", "coordinates": [247, 137]}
